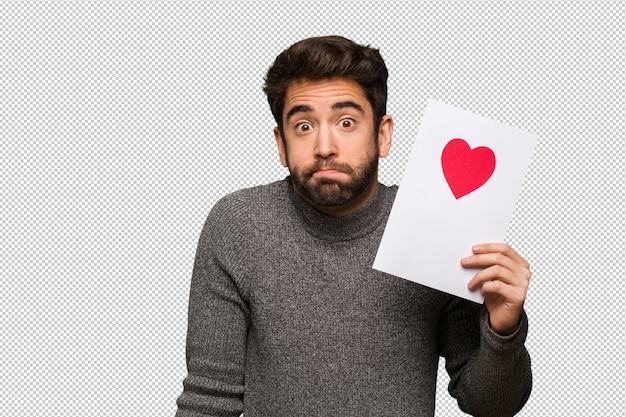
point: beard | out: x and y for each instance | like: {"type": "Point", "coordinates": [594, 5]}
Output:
{"type": "Point", "coordinates": [329, 192]}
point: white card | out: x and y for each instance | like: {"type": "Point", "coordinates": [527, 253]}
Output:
{"type": "Point", "coordinates": [459, 188]}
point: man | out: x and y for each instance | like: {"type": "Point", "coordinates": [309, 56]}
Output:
{"type": "Point", "coordinates": [287, 316]}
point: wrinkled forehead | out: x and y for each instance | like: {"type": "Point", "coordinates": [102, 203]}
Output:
{"type": "Point", "coordinates": [326, 94]}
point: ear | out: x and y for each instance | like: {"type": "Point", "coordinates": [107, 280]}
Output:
{"type": "Point", "coordinates": [280, 143]}
{"type": "Point", "coordinates": [385, 131]}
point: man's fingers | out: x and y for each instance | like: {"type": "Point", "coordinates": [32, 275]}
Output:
{"type": "Point", "coordinates": [502, 248]}
{"type": "Point", "coordinates": [498, 273]}
{"type": "Point", "coordinates": [499, 263]}
{"type": "Point", "coordinates": [492, 258]}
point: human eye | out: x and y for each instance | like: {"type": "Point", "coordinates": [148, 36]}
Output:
{"type": "Point", "coordinates": [347, 123]}
{"type": "Point", "coordinates": [303, 127]}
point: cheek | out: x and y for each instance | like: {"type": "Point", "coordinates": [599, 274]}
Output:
{"type": "Point", "coordinates": [297, 155]}
{"type": "Point", "coordinates": [364, 150]}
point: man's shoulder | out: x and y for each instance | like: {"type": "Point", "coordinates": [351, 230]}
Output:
{"type": "Point", "coordinates": [391, 189]}
{"type": "Point", "coordinates": [255, 194]}
{"type": "Point", "coordinates": [250, 199]}
{"type": "Point", "coordinates": [388, 193]}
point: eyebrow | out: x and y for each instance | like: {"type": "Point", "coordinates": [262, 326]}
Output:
{"type": "Point", "coordinates": [348, 104]}
{"type": "Point", "coordinates": [337, 106]}
{"type": "Point", "coordinates": [298, 109]}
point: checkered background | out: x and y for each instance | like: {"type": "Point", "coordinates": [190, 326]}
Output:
{"type": "Point", "coordinates": [124, 121]}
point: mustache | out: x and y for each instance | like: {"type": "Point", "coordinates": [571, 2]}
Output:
{"type": "Point", "coordinates": [339, 166]}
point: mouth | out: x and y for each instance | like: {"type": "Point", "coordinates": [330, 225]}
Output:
{"type": "Point", "coordinates": [323, 170]}
{"type": "Point", "coordinates": [327, 172]}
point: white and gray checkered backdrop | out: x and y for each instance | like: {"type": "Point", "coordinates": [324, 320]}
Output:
{"type": "Point", "coordinates": [123, 122]}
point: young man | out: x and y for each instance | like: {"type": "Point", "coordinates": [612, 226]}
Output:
{"type": "Point", "coordinates": [287, 316]}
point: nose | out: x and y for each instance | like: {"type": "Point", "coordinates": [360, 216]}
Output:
{"type": "Point", "coordinates": [326, 145]}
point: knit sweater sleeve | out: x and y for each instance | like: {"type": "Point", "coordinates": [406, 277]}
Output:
{"type": "Point", "coordinates": [218, 318]}
{"type": "Point", "coordinates": [490, 374]}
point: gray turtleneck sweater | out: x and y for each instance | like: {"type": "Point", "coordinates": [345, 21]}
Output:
{"type": "Point", "coordinates": [288, 318]}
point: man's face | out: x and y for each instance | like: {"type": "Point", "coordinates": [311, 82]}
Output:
{"type": "Point", "coordinates": [329, 144]}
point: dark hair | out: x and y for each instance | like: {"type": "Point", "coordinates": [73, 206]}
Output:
{"type": "Point", "coordinates": [328, 57]}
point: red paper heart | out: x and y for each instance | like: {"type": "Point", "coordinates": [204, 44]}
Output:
{"type": "Point", "coordinates": [466, 169]}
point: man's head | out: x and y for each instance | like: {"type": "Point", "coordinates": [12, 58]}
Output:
{"type": "Point", "coordinates": [325, 58]}
{"type": "Point", "coordinates": [328, 96]}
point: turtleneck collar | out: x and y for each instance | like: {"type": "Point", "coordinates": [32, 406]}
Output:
{"type": "Point", "coordinates": [352, 226]}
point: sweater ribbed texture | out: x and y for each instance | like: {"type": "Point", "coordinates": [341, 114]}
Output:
{"type": "Point", "coordinates": [288, 318]}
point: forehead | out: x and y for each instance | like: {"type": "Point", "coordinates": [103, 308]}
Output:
{"type": "Point", "coordinates": [320, 94]}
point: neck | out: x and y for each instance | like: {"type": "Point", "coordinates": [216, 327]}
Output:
{"type": "Point", "coordinates": [343, 228]}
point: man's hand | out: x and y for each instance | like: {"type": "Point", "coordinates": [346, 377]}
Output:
{"type": "Point", "coordinates": [504, 279]}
